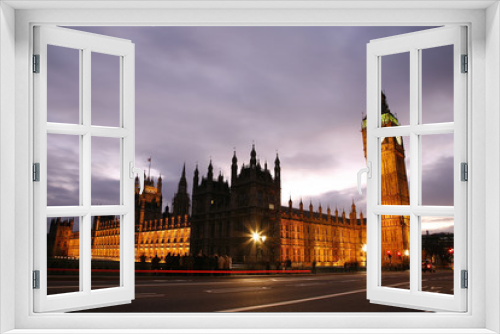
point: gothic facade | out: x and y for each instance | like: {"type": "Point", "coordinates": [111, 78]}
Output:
{"type": "Point", "coordinates": [156, 233]}
{"type": "Point", "coordinates": [329, 239]}
{"type": "Point", "coordinates": [244, 219]}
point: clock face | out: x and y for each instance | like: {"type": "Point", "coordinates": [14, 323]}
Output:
{"type": "Point", "coordinates": [400, 140]}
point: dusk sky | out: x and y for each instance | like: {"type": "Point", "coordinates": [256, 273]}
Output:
{"type": "Point", "coordinates": [202, 92]}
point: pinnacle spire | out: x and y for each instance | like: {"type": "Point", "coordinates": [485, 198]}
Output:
{"type": "Point", "coordinates": [253, 155]}
{"type": "Point", "coordinates": [235, 159]}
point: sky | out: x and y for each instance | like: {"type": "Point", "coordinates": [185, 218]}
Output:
{"type": "Point", "coordinates": [203, 92]}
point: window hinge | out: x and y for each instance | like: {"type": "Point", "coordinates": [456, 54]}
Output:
{"type": "Point", "coordinates": [36, 63]}
{"type": "Point", "coordinates": [465, 279]}
{"type": "Point", "coordinates": [36, 172]}
{"type": "Point", "coordinates": [464, 167]}
{"type": "Point", "coordinates": [465, 64]}
{"type": "Point", "coordinates": [36, 279]}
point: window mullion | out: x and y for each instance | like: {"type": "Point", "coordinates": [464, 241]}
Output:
{"type": "Point", "coordinates": [123, 183]}
{"type": "Point", "coordinates": [127, 122]}
{"type": "Point", "coordinates": [415, 157]}
{"type": "Point", "coordinates": [86, 167]}
{"type": "Point", "coordinates": [373, 183]}
{"type": "Point", "coordinates": [81, 238]}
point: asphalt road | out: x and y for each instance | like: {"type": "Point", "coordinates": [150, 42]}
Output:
{"type": "Point", "coordinates": [272, 293]}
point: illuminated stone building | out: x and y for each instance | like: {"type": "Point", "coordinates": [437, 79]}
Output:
{"type": "Point", "coordinates": [59, 236]}
{"type": "Point", "coordinates": [243, 218]}
{"type": "Point", "coordinates": [161, 234]}
{"type": "Point", "coordinates": [225, 220]}
{"type": "Point", "coordinates": [225, 217]}
{"type": "Point", "coordinates": [394, 184]}
{"type": "Point", "coordinates": [246, 221]}
{"type": "Point", "coordinates": [329, 239]}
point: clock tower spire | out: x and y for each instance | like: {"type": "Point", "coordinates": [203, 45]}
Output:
{"type": "Point", "coordinates": [394, 188]}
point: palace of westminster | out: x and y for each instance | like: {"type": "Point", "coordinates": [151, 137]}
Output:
{"type": "Point", "coordinates": [244, 218]}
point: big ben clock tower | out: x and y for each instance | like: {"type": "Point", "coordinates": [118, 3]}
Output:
{"type": "Point", "coordinates": [394, 187]}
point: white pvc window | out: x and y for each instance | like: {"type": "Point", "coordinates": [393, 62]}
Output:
{"type": "Point", "coordinates": [82, 125]}
{"type": "Point", "coordinates": [413, 212]}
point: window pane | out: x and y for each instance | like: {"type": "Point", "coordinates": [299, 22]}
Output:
{"type": "Point", "coordinates": [437, 254]}
{"type": "Point", "coordinates": [106, 171]}
{"type": "Point", "coordinates": [395, 79]}
{"type": "Point", "coordinates": [63, 254]}
{"type": "Point", "coordinates": [63, 85]}
{"type": "Point", "coordinates": [395, 247]}
{"type": "Point", "coordinates": [105, 252]}
{"type": "Point", "coordinates": [105, 89]}
{"type": "Point", "coordinates": [437, 84]}
{"type": "Point", "coordinates": [437, 169]}
{"type": "Point", "coordinates": [395, 170]}
{"type": "Point", "coordinates": [63, 170]}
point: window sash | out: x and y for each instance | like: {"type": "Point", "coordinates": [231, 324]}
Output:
{"type": "Point", "coordinates": [413, 43]}
{"type": "Point", "coordinates": [86, 43]}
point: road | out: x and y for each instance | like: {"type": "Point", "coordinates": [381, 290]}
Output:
{"type": "Point", "coordinates": [277, 293]}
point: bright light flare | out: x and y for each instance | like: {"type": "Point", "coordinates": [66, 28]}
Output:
{"type": "Point", "coordinates": [255, 237]}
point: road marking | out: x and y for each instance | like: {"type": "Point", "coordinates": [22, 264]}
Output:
{"type": "Point", "coordinates": [233, 290]}
{"type": "Point", "coordinates": [351, 280]}
{"type": "Point", "coordinates": [148, 295]}
{"type": "Point", "coordinates": [290, 302]}
{"type": "Point", "coordinates": [306, 284]}
{"type": "Point", "coordinates": [297, 301]}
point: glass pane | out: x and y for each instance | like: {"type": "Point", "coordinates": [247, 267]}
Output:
{"type": "Point", "coordinates": [63, 170]}
{"type": "Point", "coordinates": [105, 252]}
{"type": "Point", "coordinates": [395, 170]}
{"type": "Point", "coordinates": [63, 254]}
{"type": "Point", "coordinates": [395, 79]}
{"type": "Point", "coordinates": [106, 171]}
{"type": "Point", "coordinates": [437, 169]}
{"type": "Point", "coordinates": [437, 84]}
{"type": "Point", "coordinates": [63, 85]}
{"type": "Point", "coordinates": [105, 89]}
{"type": "Point", "coordinates": [437, 254]}
{"type": "Point", "coordinates": [395, 235]}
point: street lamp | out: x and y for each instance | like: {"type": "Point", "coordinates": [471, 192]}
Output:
{"type": "Point", "coordinates": [406, 253]}
{"type": "Point", "coordinates": [255, 237]}
{"type": "Point", "coordinates": [258, 238]}
{"type": "Point", "coordinates": [364, 248]}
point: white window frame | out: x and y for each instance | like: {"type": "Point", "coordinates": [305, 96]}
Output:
{"type": "Point", "coordinates": [414, 43]}
{"type": "Point", "coordinates": [483, 20]}
{"type": "Point", "coordinates": [86, 44]}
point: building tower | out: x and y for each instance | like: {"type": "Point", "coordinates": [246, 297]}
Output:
{"type": "Point", "coordinates": [210, 217]}
{"type": "Point", "coordinates": [256, 205]}
{"type": "Point", "coordinates": [181, 201]}
{"type": "Point", "coordinates": [148, 205]}
{"type": "Point", "coordinates": [234, 168]}
{"type": "Point", "coordinates": [394, 184]}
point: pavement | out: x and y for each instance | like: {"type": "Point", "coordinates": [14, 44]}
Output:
{"type": "Point", "coordinates": [256, 293]}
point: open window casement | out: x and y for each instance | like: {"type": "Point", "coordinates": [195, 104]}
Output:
{"type": "Point", "coordinates": [79, 218]}
{"type": "Point", "coordinates": [406, 215]}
